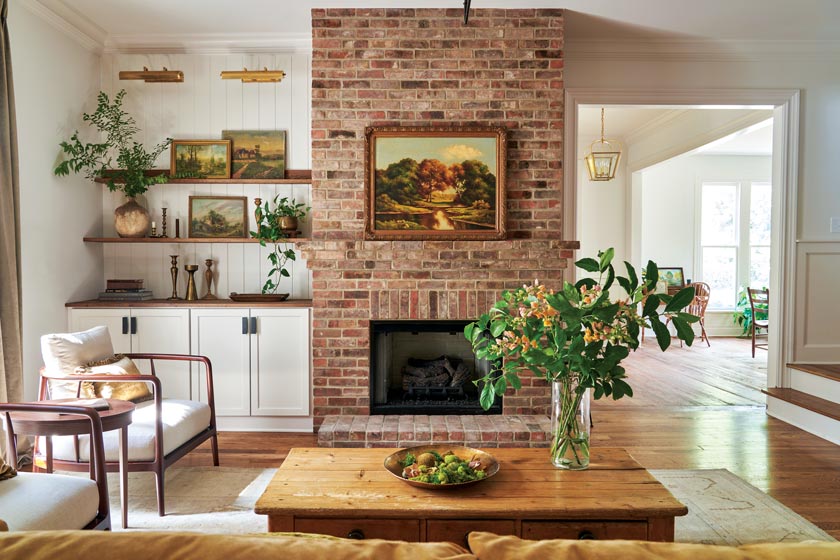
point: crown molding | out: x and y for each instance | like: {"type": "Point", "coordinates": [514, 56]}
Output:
{"type": "Point", "coordinates": [69, 22]}
{"type": "Point", "coordinates": [706, 50]}
{"type": "Point", "coordinates": [208, 43]}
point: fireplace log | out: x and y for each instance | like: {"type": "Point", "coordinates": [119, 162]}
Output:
{"type": "Point", "coordinates": [460, 376]}
{"type": "Point", "coordinates": [441, 380]}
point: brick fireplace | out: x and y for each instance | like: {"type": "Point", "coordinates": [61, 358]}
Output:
{"type": "Point", "coordinates": [416, 67]}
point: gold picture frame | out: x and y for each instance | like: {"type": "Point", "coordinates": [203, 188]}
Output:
{"type": "Point", "coordinates": [200, 159]}
{"type": "Point", "coordinates": [221, 217]}
{"type": "Point", "coordinates": [427, 183]}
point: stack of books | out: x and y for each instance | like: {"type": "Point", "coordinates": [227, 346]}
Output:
{"type": "Point", "coordinates": [125, 290]}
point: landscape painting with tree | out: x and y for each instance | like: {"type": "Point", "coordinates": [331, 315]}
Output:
{"type": "Point", "coordinates": [258, 154]}
{"type": "Point", "coordinates": [200, 159]}
{"type": "Point", "coordinates": [218, 216]}
{"type": "Point", "coordinates": [424, 183]}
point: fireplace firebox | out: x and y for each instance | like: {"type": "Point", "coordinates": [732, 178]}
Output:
{"type": "Point", "coordinates": [425, 367]}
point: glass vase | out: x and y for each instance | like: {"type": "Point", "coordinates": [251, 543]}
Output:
{"type": "Point", "coordinates": [569, 425]}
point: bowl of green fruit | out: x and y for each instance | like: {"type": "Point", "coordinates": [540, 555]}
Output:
{"type": "Point", "coordinates": [437, 467]}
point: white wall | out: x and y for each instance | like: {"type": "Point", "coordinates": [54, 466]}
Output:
{"type": "Point", "coordinates": [200, 108]}
{"type": "Point", "coordinates": [55, 80]}
{"type": "Point", "coordinates": [819, 136]}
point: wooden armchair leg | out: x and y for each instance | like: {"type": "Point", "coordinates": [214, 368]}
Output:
{"type": "Point", "coordinates": [753, 340]}
{"type": "Point", "coordinates": [214, 447]}
{"type": "Point", "coordinates": [703, 332]}
{"type": "Point", "coordinates": [159, 476]}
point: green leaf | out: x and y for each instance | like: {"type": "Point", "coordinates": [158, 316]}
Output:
{"type": "Point", "coordinates": [514, 381]}
{"type": "Point", "coordinates": [651, 305]}
{"type": "Point", "coordinates": [625, 284]}
{"type": "Point", "coordinates": [610, 278]}
{"type": "Point", "coordinates": [488, 396]}
{"type": "Point", "coordinates": [651, 275]}
{"type": "Point", "coordinates": [497, 328]}
{"type": "Point", "coordinates": [468, 331]}
{"type": "Point", "coordinates": [500, 386]}
{"type": "Point", "coordinates": [631, 275]}
{"type": "Point", "coordinates": [588, 264]}
{"type": "Point", "coordinates": [606, 314]}
{"type": "Point", "coordinates": [621, 386]}
{"type": "Point", "coordinates": [684, 330]}
{"type": "Point", "coordinates": [606, 259]}
{"type": "Point", "coordinates": [688, 317]}
{"type": "Point", "coordinates": [588, 282]}
{"type": "Point", "coordinates": [663, 337]}
{"type": "Point", "coordinates": [680, 300]}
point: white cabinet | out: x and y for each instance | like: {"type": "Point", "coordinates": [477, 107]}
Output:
{"type": "Point", "coordinates": [155, 330]}
{"type": "Point", "coordinates": [260, 359]}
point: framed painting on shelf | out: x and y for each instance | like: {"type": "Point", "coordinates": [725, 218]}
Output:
{"type": "Point", "coordinates": [435, 183]}
{"type": "Point", "coordinates": [200, 159]}
{"type": "Point", "coordinates": [674, 277]}
{"type": "Point", "coordinates": [257, 154]}
{"type": "Point", "coordinates": [218, 216]}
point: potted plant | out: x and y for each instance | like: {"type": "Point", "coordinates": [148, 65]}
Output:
{"type": "Point", "coordinates": [742, 316]}
{"type": "Point", "coordinates": [268, 218]}
{"type": "Point", "coordinates": [119, 159]}
{"type": "Point", "coordinates": [575, 339]}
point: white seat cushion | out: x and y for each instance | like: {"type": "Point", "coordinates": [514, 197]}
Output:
{"type": "Point", "coordinates": [182, 420]}
{"type": "Point", "coordinates": [46, 502]}
{"type": "Point", "coordinates": [64, 352]}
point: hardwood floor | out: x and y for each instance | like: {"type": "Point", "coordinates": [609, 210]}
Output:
{"type": "Point", "coordinates": [696, 408]}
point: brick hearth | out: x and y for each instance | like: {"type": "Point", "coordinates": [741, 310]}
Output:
{"type": "Point", "coordinates": [405, 431]}
{"type": "Point", "coordinates": [423, 67]}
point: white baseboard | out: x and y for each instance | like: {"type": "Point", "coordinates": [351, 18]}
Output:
{"type": "Point", "coordinates": [264, 424]}
{"type": "Point", "coordinates": [811, 422]}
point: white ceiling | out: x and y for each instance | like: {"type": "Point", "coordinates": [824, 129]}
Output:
{"type": "Point", "coordinates": [776, 20]}
{"type": "Point", "coordinates": [753, 141]}
{"type": "Point", "coordinates": [619, 122]}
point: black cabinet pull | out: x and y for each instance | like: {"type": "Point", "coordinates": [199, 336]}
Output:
{"type": "Point", "coordinates": [134, 325]}
{"type": "Point", "coordinates": [125, 325]}
{"type": "Point", "coordinates": [244, 325]}
{"type": "Point", "coordinates": [253, 325]}
{"type": "Point", "coordinates": [356, 534]}
{"type": "Point", "coordinates": [586, 535]}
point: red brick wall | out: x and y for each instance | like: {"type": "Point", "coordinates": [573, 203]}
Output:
{"type": "Point", "coordinates": [415, 67]}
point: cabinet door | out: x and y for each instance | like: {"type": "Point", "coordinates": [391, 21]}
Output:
{"type": "Point", "coordinates": [165, 331]}
{"type": "Point", "coordinates": [84, 319]}
{"type": "Point", "coordinates": [217, 334]}
{"type": "Point", "coordinates": [280, 362]}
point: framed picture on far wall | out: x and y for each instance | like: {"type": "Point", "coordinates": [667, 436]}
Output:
{"type": "Point", "coordinates": [200, 159]}
{"type": "Point", "coordinates": [435, 183]}
{"type": "Point", "coordinates": [257, 154]}
{"type": "Point", "coordinates": [218, 216]}
{"type": "Point", "coordinates": [673, 276]}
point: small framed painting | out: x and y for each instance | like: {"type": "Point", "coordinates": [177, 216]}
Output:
{"type": "Point", "coordinates": [218, 216]}
{"type": "Point", "coordinates": [257, 154]}
{"type": "Point", "coordinates": [673, 276]}
{"type": "Point", "coordinates": [200, 159]}
{"type": "Point", "coordinates": [435, 183]}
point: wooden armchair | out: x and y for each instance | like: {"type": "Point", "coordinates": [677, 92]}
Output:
{"type": "Point", "coordinates": [162, 430]}
{"type": "Point", "coordinates": [32, 502]}
{"type": "Point", "coordinates": [759, 303]}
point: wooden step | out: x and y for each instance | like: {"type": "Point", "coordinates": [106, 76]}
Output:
{"type": "Point", "coordinates": [806, 401]}
{"type": "Point", "coordinates": [829, 371]}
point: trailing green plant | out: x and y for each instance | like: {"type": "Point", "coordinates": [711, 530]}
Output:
{"type": "Point", "coordinates": [267, 217]}
{"type": "Point", "coordinates": [119, 158]}
{"type": "Point", "coordinates": [742, 316]}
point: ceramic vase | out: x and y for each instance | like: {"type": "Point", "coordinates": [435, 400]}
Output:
{"type": "Point", "coordinates": [131, 219]}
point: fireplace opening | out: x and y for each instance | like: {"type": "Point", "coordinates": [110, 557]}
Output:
{"type": "Point", "coordinates": [425, 367]}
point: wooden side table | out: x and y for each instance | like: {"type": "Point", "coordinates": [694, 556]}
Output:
{"type": "Point", "coordinates": [117, 417]}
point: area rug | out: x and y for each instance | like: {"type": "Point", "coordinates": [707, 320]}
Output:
{"type": "Point", "coordinates": [723, 509]}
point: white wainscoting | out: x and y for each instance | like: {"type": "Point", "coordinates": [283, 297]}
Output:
{"type": "Point", "coordinates": [201, 108]}
{"type": "Point", "coordinates": [817, 306]}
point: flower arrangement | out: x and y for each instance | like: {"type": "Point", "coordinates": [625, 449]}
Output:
{"type": "Point", "coordinates": [575, 339]}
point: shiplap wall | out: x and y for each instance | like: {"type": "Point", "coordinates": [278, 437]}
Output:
{"type": "Point", "coordinates": [201, 108]}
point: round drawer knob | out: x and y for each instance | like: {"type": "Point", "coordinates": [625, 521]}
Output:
{"type": "Point", "coordinates": [586, 535]}
{"type": "Point", "coordinates": [356, 534]}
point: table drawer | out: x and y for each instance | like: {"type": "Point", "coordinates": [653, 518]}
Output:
{"type": "Point", "coordinates": [536, 530]}
{"type": "Point", "coordinates": [393, 529]}
{"type": "Point", "coordinates": [456, 531]}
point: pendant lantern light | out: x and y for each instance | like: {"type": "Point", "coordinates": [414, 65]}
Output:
{"type": "Point", "coordinates": [602, 162]}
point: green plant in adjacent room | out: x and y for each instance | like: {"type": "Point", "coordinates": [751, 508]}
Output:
{"type": "Point", "coordinates": [575, 338]}
{"type": "Point", "coordinates": [268, 217]}
{"type": "Point", "coordinates": [119, 158]}
{"type": "Point", "coordinates": [742, 316]}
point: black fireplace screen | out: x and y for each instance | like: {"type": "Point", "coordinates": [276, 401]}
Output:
{"type": "Point", "coordinates": [424, 367]}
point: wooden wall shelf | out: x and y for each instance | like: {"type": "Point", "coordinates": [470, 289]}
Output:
{"type": "Point", "coordinates": [293, 177]}
{"type": "Point", "coordinates": [96, 303]}
{"type": "Point", "coordinates": [183, 240]}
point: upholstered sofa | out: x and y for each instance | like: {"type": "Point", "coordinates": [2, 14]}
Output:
{"type": "Point", "coordinates": [70, 545]}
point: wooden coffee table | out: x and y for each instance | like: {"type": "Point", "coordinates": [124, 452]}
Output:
{"type": "Point", "coordinates": [347, 493]}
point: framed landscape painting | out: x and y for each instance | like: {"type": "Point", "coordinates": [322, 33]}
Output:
{"type": "Point", "coordinates": [435, 183]}
{"type": "Point", "coordinates": [200, 159]}
{"type": "Point", "coordinates": [257, 154]}
{"type": "Point", "coordinates": [218, 216]}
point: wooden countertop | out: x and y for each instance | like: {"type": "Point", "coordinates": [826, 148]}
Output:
{"type": "Point", "coordinates": [96, 303]}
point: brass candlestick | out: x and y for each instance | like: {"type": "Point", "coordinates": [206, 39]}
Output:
{"type": "Point", "coordinates": [191, 291]}
{"type": "Point", "coordinates": [173, 270]}
{"type": "Point", "coordinates": [163, 225]}
{"type": "Point", "coordinates": [258, 214]}
{"type": "Point", "coordinates": [208, 279]}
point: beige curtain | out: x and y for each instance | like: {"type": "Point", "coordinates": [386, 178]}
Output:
{"type": "Point", "coordinates": [11, 370]}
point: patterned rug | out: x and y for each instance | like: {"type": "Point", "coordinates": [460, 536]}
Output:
{"type": "Point", "coordinates": [723, 509]}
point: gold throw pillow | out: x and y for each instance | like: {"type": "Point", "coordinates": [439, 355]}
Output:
{"type": "Point", "coordinates": [6, 471]}
{"type": "Point", "coordinates": [135, 391]}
